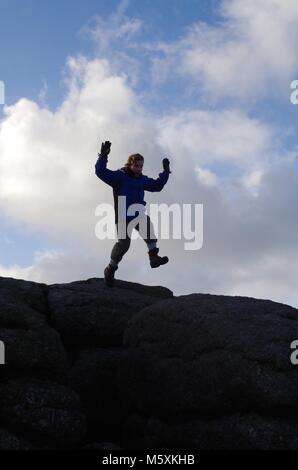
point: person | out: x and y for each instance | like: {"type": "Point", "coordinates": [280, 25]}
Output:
{"type": "Point", "coordinates": [130, 182]}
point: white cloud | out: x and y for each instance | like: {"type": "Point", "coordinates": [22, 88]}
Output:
{"type": "Point", "coordinates": [105, 32]}
{"type": "Point", "coordinates": [228, 136]}
{"type": "Point", "coordinates": [42, 95]}
{"type": "Point", "coordinates": [114, 39]}
{"type": "Point", "coordinates": [47, 158]}
{"type": "Point", "coordinates": [206, 176]}
{"type": "Point", "coordinates": [252, 181]}
{"type": "Point", "coordinates": [53, 266]}
{"type": "Point", "coordinates": [251, 52]}
{"type": "Point", "coordinates": [47, 176]}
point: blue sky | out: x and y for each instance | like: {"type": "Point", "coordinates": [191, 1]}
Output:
{"type": "Point", "coordinates": [206, 83]}
{"type": "Point", "coordinates": [37, 36]}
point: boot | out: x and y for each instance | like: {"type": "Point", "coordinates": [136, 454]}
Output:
{"type": "Point", "coordinates": [109, 275]}
{"type": "Point", "coordinates": [156, 260]}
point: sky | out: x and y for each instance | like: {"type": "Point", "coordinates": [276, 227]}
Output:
{"type": "Point", "coordinates": [206, 84]}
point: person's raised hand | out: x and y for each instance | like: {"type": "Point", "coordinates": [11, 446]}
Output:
{"type": "Point", "coordinates": [166, 165]}
{"type": "Point", "coordinates": [105, 148]}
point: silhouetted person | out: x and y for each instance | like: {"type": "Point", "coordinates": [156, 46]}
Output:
{"type": "Point", "coordinates": [129, 181]}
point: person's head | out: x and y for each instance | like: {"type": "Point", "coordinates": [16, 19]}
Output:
{"type": "Point", "coordinates": [135, 163]}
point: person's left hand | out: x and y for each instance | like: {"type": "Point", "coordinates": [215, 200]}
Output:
{"type": "Point", "coordinates": [166, 165]}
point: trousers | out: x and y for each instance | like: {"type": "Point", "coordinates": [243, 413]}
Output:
{"type": "Point", "coordinates": [145, 229]}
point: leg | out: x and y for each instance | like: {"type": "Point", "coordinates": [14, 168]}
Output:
{"type": "Point", "coordinates": [151, 240]}
{"type": "Point", "coordinates": [146, 230]}
{"type": "Point", "coordinates": [122, 245]}
{"type": "Point", "coordinates": [118, 251]}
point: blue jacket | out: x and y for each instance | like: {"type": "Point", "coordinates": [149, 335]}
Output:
{"type": "Point", "coordinates": [125, 183]}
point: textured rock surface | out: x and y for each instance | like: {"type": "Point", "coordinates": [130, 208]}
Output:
{"type": "Point", "coordinates": [203, 357]}
{"type": "Point", "coordinates": [63, 345]}
{"type": "Point", "coordinates": [9, 441]}
{"type": "Point", "coordinates": [134, 367]}
{"type": "Point", "coordinates": [241, 431]}
{"type": "Point", "coordinates": [94, 377]}
{"type": "Point", "coordinates": [47, 412]}
{"type": "Point", "coordinates": [88, 310]}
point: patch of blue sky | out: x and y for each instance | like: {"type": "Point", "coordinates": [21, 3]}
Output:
{"type": "Point", "coordinates": [282, 116]}
{"type": "Point", "coordinates": [35, 39]}
{"type": "Point", "coordinates": [18, 246]}
{"type": "Point", "coordinates": [168, 20]}
{"type": "Point", "coordinates": [224, 170]}
{"type": "Point", "coordinates": [37, 36]}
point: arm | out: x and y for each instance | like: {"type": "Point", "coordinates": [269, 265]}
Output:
{"type": "Point", "coordinates": [108, 176]}
{"type": "Point", "coordinates": [157, 185]}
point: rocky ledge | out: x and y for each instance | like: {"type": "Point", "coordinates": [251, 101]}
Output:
{"type": "Point", "coordinates": [134, 367]}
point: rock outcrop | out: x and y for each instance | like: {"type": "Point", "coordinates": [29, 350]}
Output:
{"type": "Point", "coordinates": [135, 367]}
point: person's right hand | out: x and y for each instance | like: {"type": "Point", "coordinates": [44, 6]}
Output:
{"type": "Point", "coordinates": [105, 148]}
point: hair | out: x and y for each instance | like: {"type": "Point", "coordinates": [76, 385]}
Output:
{"type": "Point", "coordinates": [133, 159]}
